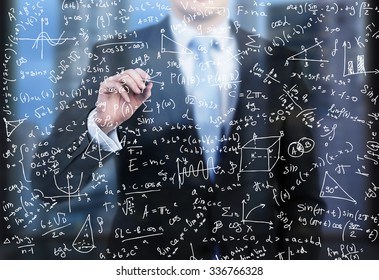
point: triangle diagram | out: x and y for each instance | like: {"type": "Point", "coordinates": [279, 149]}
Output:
{"type": "Point", "coordinates": [11, 126]}
{"type": "Point", "coordinates": [303, 55]}
{"type": "Point", "coordinates": [175, 48]}
{"type": "Point", "coordinates": [6, 241]}
{"type": "Point", "coordinates": [331, 189]}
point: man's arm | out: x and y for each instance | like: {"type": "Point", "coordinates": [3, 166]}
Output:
{"type": "Point", "coordinates": [107, 142]}
{"type": "Point", "coordinates": [81, 139]}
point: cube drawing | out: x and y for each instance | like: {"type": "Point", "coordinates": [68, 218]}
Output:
{"type": "Point", "coordinates": [260, 154]}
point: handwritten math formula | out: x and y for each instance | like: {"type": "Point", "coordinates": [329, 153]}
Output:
{"type": "Point", "coordinates": [51, 69]}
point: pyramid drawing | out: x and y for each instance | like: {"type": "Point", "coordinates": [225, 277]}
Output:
{"type": "Point", "coordinates": [95, 152]}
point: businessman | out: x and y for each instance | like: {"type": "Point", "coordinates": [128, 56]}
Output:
{"type": "Point", "coordinates": [214, 156]}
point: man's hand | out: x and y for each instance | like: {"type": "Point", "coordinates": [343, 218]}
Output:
{"type": "Point", "coordinates": [120, 96]}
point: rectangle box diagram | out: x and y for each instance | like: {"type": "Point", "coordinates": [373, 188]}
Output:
{"type": "Point", "coordinates": [260, 154]}
{"type": "Point", "coordinates": [361, 64]}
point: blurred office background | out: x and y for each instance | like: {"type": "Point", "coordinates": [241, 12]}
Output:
{"type": "Point", "coordinates": [40, 36]}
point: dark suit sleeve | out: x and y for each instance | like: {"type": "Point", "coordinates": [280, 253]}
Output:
{"type": "Point", "coordinates": [60, 161]}
{"type": "Point", "coordinates": [64, 161]}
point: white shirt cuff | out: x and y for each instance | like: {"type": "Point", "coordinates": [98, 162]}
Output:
{"type": "Point", "coordinates": [107, 142]}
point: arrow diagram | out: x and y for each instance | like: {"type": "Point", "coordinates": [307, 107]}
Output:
{"type": "Point", "coordinates": [245, 217]}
